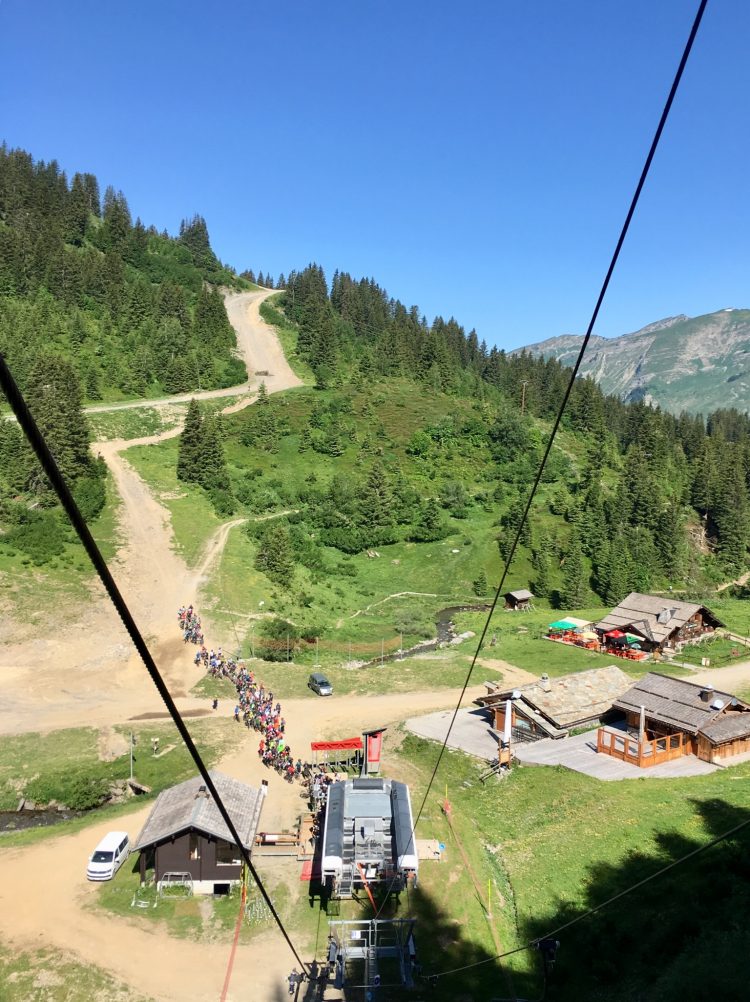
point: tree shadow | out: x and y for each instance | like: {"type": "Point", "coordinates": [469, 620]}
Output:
{"type": "Point", "coordinates": [441, 944]}
{"type": "Point", "coordinates": [681, 937]}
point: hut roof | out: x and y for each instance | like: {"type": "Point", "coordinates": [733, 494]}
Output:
{"type": "Point", "coordinates": [570, 698]}
{"type": "Point", "coordinates": [673, 701]}
{"type": "Point", "coordinates": [520, 595]}
{"type": "Point", "coordinates": [653, 616]}
{"type": "Point", "coordinates": [727, 727]}
{"type": "Point", "coordinates": [186, 806]}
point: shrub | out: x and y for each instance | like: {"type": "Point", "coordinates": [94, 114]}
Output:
{"type": "Point", "coordinates": [40, 536]}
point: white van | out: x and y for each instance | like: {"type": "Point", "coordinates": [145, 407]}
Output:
{"type": "Point", "coordinates": [108, 856]}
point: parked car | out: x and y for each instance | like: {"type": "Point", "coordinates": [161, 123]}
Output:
{"type": "Point", "coordinates": [320, 684]}
{"type": "Point", "coordinates": [108, 856]}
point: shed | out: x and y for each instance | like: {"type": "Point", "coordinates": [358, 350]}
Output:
{"type": "Point", "coordinates": [658, 622]}
{"type": "Point", "coordinates": [519, 600]}
{"type": "Point", "coordinates": [186, 834]}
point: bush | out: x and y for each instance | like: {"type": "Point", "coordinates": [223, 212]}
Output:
{"type": "Point", "coordinates": [80, 790]}
{"type": "Point", "coordinates": [277, 636]}
{"type": "Point", "coordinates": [90, 496]}
{"type": "Point", "coordinates": [40, 536]}
{"type": "Point", "coordinates": [224, 501]}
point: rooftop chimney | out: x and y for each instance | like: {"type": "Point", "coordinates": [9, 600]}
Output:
{"type": "Point", "coordinates": [707, 693]}
{"type": "Point", "coordinates": [545, 683]}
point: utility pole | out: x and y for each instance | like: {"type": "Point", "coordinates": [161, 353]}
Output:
{"type": "Point", "coordinates": [524, 384]}
{"type": "Point", "coordinates": [132, 742]}
{"type": "Point", "coordinates": [382, 644]}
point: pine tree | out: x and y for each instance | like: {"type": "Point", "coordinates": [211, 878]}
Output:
{"type": "Point", "coordinates": [731, 515]}
{"type": "Point", "coordinates": [431, 524]}
{"type": "Point", "coordinates": [375, 504]}
{"type": "Point", "coordinates": [213, 470]}
{"type": "Point", "coordinates": [615, 571]}
{"type": "Point", "coordinates": [55, 398]}
{"type": "Point", "coordinates": [275, 556]}
{"type": "Point", "coordinates": [190, 450]}
{"type": "Point", "coordinates": [574, 590]}
{"type": "Point", "coordinates": [540, 563]}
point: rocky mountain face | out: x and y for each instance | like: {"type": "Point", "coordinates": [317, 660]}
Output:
{"type": "Point", "coordinates": [695, 364]}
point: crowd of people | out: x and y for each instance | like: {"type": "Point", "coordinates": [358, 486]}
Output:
{"type": "Point", "coordinates": [190, 625]}
{"type": "Point", "coordinates": [255, 707]}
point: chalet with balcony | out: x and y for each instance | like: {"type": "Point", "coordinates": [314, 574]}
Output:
{"type": "Point", "coordinates": [666, 718]}
{"type": "Point", "coordinates": [658, 623]}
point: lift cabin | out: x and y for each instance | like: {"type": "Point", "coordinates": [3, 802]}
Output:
{"type": "Point", "coordinates": [367, 837]}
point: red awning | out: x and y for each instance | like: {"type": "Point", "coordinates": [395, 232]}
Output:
{"type": "Point", "coordinates": [348, 744]}
{"type": "Point", "coordinates": [615, 634]}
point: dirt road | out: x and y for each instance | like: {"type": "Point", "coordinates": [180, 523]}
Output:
{"type": "Point", "coordinates": [89, 673]}
{"type": "Point", "coordinates": [46, 900]}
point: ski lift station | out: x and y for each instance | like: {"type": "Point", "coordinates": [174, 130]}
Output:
{"type": "Point", "coordinates": [368, 837]}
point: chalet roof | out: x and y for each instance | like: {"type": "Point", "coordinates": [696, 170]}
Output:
{"type": "Point", "coordinates": [520, 595]}
{"type": "Point", "coordinates": [571, 698]}
{"type": "Point", "coordinates": [184, 806]}
{"type": "Point", "coordinates": [673, 701]}
{"type": "Point", "coordinates": [727, 727]}
{"type": "Point", "coordinates": [654, 617]}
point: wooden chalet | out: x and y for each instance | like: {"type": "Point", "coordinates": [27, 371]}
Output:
{"type": "Point", "coordinates": [668, 717]}
{"type": "Point", "coordinates": [658, 623]}
{"type": "Point", "coordinates": [551, 707]}
{"type": "Point", "coordinates": [186, 840]}
{"type": "Point", "coordinates": [519, 600]}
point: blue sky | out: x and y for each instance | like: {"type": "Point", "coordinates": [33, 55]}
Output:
{"type": "Point", "coordinates": [475, 159]}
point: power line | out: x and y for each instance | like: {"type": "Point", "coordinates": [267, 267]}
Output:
{"type": "Point", "coordinates": [574, 373]}
{"type": "Point", "coordinates": [604, 904]}
{"type": "Point", "coordinates": [49, 465]}
{"type": "Point", "coordinates": [605, 285]}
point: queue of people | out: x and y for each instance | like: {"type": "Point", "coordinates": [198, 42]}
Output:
{"type": "Point", "coordinates": [190, 625]}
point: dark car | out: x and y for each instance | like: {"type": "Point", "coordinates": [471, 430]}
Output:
{"type": "Point", "coordinates": [320, 684]}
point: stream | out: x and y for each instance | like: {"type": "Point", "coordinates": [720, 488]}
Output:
{"type": "Point", "coordinates": [17, 821]}
{"type": "Point", "coordinates": [446, 632]}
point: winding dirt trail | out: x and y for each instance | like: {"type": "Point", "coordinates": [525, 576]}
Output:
{"type": "Point", "coordinates": [89, 675]}
{"type": "Point", "coordinates": [89, 672]}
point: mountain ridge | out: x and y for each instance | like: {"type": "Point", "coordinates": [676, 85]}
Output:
{"type": "Point", "coordinates": [681, 363]}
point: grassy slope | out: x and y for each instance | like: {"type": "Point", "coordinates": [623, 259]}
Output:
{"type": "Point", "coordinates": [552, 843]}
{"type": "Point", "coordinates": [53, 760]}
{"type": "Point", "coordinates": [49, 976]}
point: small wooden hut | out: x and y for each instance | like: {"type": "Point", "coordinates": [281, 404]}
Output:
{"type": "Point", "coordinates": [518, 601]}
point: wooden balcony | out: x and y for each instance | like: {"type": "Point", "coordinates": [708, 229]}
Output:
{"type": "Point", "coordinates": [644, 753]}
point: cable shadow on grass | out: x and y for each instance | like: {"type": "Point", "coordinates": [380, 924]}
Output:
{"type": "Point", "coordinates": [682, 937]}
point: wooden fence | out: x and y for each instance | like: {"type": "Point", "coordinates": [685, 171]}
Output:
{"type": "Point", "coordinates": [644, 753]}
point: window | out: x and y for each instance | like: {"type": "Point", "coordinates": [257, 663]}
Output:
{"type": "Point", "coordinates": [227, 854]}
{"type": "Point", "coordinates": [195, 846]}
